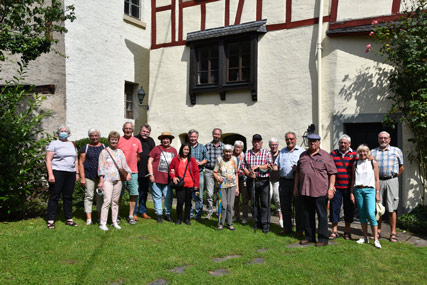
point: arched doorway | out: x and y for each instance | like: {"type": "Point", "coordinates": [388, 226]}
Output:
{"type": "Point", "coordinates": [231, 138]}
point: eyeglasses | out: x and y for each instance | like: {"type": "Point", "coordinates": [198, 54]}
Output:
{"type": "Point", "coordinates": [290, 139]}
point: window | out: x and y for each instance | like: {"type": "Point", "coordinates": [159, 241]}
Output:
{"type": "Point", "coordinates": [129, 90]}
{"type": "Point", "coordinates": [223, 59]}
{"type": "Point", "coordinates": [133, 8]}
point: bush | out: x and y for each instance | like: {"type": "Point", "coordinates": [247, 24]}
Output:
{"type": "Point", "coordinates": [415, 221]}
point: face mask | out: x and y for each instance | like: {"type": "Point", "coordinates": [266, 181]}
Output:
{"type": "Point", "coordinates": [63, 135]}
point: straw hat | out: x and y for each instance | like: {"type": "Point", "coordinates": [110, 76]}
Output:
{"type": "Point", "coordinates": [379, 210]}
{"type": "Point", "coordinates": [166, 135]}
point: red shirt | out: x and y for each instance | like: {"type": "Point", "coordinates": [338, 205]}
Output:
{"type": "Point", "coordinates": [162, 158]}
{"type": "Point", "coordinates": [192, 171]}
{"type": "Point", "coordinates": [131, 147]}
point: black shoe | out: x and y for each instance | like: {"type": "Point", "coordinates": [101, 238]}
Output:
{"type": "Point", "coordinates": [198, 219]}
{"type": "Point", "coordinates": [159, 219]}
{"type": "Point", "coordinates": [178, 222]}
{"type": "Point", "coordinates": [168, 218]}
{"type": "Point", "coordinates": [187, 222]}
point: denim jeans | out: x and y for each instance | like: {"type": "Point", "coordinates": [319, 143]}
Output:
{"type": "Point", "coordinates": [144, 186]}
{"type": "Point", "coordinates": [365, 199]}
{"type": "Point", "coordinates": [210, 189]}
{"type": "Point", "coordinates": [157, 191]}
{"type": "Point", "coordinates": [198, 199]}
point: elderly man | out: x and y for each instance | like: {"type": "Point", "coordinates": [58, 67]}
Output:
{"type": "Point", "coordinates": [256, 164]}
{"type": "Point", "coordinates": [343, 157]}
{"type": "Point", "coordinates": [286, 163]}
{"type": "Point", "coordinates": [147, 145]}
{"type": "Point", "coordinates": [314, 181]}
{"type": "Point", "coordinates": [214, 149]}
{"type": "Point", "coordinates": [390, 163]}
{"type": "Point", "coordinates": [239, 155]}
{"type": "Point", "coordinates": [132, 149]}
{"type": "Point", "coordinates": [199, 152]}
{"type": "Point", "coordinates": [275, 178]}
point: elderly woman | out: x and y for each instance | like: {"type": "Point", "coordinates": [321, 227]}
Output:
{"type": "Point", "coordinates": [239, 156]}
{"type": "Point", "coordinates": [61, 164]}
{"type": "Point", "coordinates": [225, 173]}
{"type": "Point", "coordinates": [110, 159]}
{"type": "Point", "coordinates": [88, 169]}
{"type": "Point", "coordinates": [184, 167]}
{"type": "Point", "coordinates": [365, 191]}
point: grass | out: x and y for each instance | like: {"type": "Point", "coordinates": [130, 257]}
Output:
{"type": "Point", "coordinates": [29, 253]}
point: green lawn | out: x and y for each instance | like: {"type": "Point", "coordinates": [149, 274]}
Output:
{"type": "Point", "coordinates": [146, 252]}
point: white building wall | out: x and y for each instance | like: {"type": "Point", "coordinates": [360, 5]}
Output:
{"type": "Point", "coordinates": [103, 51]}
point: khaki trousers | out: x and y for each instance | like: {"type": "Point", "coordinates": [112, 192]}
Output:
{"type": "Point", "coordinates": [112, 190]}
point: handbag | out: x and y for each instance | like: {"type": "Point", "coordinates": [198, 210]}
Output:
{"type": "Point", "coordinates": [122, 172]}
{"type": "Point", "coordinates": [180, 184]}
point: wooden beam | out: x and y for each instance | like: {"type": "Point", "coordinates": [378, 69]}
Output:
{"type": "Point", "coordinates": [239, 12]}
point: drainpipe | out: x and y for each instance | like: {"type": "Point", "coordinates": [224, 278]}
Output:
{"type": "Point", "coordinates": [319, 70]}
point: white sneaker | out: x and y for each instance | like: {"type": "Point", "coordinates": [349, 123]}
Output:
{"type": "Point", "coordinates": [244, 221]}
{"type": "Point", "coordinates": [362, 240]}
{"type": "Point", "coordinates": [377, 244]}
{"type": "Point", "coordinates": [103, 227]}
{"type": "Point", "coordinates": [281, 223]}
{"type": "Point", "coordinates": [89, 222]}
{"type": "Point", "coordinates": [117, 226]}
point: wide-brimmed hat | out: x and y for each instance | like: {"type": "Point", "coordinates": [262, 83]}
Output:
{"type": "Point", "coordinates": [380, 210]}
{"type": "Point", "coordinates": [166, 135]}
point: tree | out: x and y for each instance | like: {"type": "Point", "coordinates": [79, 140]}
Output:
{"type": "Point", "coordinates": [404, 45]}
{"type": "Point", "coordinates": [28, 29]}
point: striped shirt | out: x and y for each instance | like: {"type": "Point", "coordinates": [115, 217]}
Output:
{"type": "Point", "coordinates": [344, 164]}
{"type": "Point", "coordinates": [261, 158]}
{"type": "Point", "coordinates": [389, 160]}
{"type": "Point", "coordinates": [213, 153]}
{"type": "Point", "coordinates": [200, 153]}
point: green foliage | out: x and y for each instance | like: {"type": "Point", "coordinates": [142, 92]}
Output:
{"type": "Point", "coordinates": [404, 44]}
{"type": "Point", "coordinates": [28, 27]}
{"type": "Point", "coordinates": [415, 221]}
{"type": "Point", "coordinates": [22, 145]}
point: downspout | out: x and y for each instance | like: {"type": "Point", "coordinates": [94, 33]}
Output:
{"type": "Point", "coordinates": [319, 70]}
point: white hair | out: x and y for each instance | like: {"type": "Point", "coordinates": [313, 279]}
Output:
{"type": "Point", "coordinates": [227, 147]}
{"type": "Point", "coordinates": [63, 127]}
{"type": "Point", "coordinates": [384, 133]}
{"type": "Point", "coordinates": [345, 137]}
{"type": "Point", "coordinates": [273, 140]}
{"type": "Point", "coordinates": [93, 130]}
{"type": "Point", "coordinates": [240, 143]}
{"type": "Point", "coordinates": [128, 122]}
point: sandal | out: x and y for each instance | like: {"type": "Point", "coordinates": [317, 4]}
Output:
{"type": "Point", "coordinates": [347, 236]}
{"type": "Point", "coordinates": [71, 223]}
{"type": "Point", "coordinates": [51, 226]}
{"type": "Point", "coordinates": [333, 235]}
{"type": "Point", "coordinates": [393, 238]}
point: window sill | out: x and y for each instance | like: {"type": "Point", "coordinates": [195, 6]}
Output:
{"type": "Point", "coordinates": [134, 21]}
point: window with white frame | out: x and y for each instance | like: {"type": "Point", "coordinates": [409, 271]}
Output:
{"type": "Point", "coordinates": [133, 8]}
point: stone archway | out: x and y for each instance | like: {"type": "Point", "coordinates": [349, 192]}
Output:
{"type": "Point", "coordinates": [231, 138]}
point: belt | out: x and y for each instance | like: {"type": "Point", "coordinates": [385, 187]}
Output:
{"type": "Point", "coordinates": [289, 179]}
{"type": "Point", "coordinates": [261, 178]}
{"type": "Point", "coordinates": [388, 177]}
{"type": "Point", "coordinates": [362, 186]}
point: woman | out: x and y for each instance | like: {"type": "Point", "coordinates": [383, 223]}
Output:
{"type": "Point", "coordinates": [184, 166]}
{"type": "Point", "coordinates": [365, 191]}
{"type": "Point", "coordinates": [239, 155]}
{"type": "Point", "coordinates": [224, 172]}
{"type": "Point", "coordinates": [109, 179]}
{"type": "Point", "coordinates": [61, 164]}
{"type": "Point", "coordinates": [88, 169]}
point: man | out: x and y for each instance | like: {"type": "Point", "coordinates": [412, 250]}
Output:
{"type": "Point", "coordinates": [275, 178]}
{"type": "Point", "coordinates": [314, 181]}
{"type": "Point", "coordinates": [343, 157]}
{"type": "Point", "coordinates": [214, 149]}
{"type": "Point", "coordinates": [286, 163]}
{"type": "Point", "coordinates": [160, 158]}
{"type": "Point", "coordinates": [239, 155]}
{"type": "Point", "coordinates": [199, 152]}
{"type": "Point", "coordinates": [143, 180]}
{"type": "Point", "coordinates": [132, 148]}
{"type": "Point", "coordinates": [390, 163]}
{"type": "Point", "coordinates": [256, 165]}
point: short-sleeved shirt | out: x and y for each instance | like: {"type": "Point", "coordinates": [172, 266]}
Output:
{"type": "Point", "coordinates": [147, 146]}
{"type": "Point", "coordinates": [314, 172]}
{"type": "Point", "coordinates": [252, 159]}
{"type": "Point", "coordinates": [131, 147]}
{"type": "Point", "coordinates": [286, 160]}
{"type": "Point", "coordinates": [161, 160]}
{"type": "Point", "coordinates": [200, 153]}
{"type": "Point", "coordinates": [389, 160]}
{"type": "Point", "coordinates": [107, 167]}
{"type": "Point", "coordinates": [344, 163]}
{"type": "Point", "coordinates": [91, 160]}
{"type": "Point", "coordinates": [227, 170]}
{"type": "Point", "coordinates": [274, 175]}
{"type": "Point", "coordinates": [213, 153]}
{"type": "Point", "coordinates": [64, 155]}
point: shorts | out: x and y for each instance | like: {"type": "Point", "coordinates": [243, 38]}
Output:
{"type": "Point", "coordinates": [132, 185]}
{"type": "Point", "coordinates": [389, 194]}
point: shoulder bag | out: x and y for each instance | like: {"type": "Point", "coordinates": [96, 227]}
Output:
{"type": "Point", "coordinates": [122, 172]}
{"type": "Point", "coordinates": [180, 184]}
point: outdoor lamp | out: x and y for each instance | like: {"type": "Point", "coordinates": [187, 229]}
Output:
{"type": "Point", "coordinates": [141, 96]}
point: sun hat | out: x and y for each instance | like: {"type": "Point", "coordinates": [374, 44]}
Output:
{"type": "Point", "coordinates": [379, 210]}
{"type": "Point", "coordinates": [166, 135]}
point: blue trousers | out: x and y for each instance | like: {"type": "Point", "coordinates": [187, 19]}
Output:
{"type": "Point", "coordinates": [365, 199]}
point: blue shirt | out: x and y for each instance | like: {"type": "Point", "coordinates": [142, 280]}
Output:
{"type": "Point", "coordinates": [213, 153]}
{"type": "Point", "coordinates": [286, 159]}
{"type": "Point", "coordinates": [389, 160]}
{"type": "Point", "coordinates": [200, 153]}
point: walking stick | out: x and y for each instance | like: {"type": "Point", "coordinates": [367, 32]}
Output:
{"type": "Point", "coordinates": [219, 194]}
{"type": "Point", "coordinates": [253, 206]}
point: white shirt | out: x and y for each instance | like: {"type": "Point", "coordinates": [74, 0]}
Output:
{"type": "Point", "coordinates": [365, 175]}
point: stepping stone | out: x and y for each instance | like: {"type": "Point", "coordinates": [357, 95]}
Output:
{"type": "Point", "coordinates": [118, 282]}
{"type": "Point", "coordinates": [421, 243]}
{"type": "Point", "coordinates": [180, 269]}
{"type": "Point", "coordinates": [220, 259]}
{"type": "Point", "coordinates": [261, 250]}
{"type": "Point", "coordinates": [219, 272]}
{"type": "Point", "coordinates": [257, 261]}
{"type": "Point", "coordinates": [159, 282]}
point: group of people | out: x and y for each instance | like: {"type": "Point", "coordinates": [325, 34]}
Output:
{"type": "Point", "coordinates": [294, 178]}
